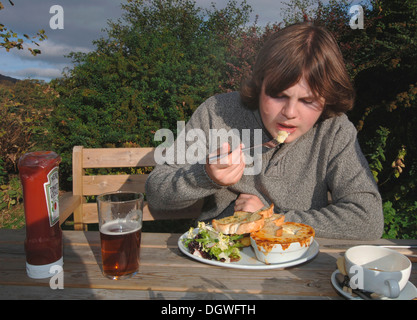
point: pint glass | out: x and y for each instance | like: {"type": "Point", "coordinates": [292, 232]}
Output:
{"type": "Point", "coordinates": [120, 222]}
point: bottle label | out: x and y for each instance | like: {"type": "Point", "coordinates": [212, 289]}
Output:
{"type": "Point", "coordinates": [52, 196]}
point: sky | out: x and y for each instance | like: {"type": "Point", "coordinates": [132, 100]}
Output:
{"type": "Point", "coordinates": [83, 22]}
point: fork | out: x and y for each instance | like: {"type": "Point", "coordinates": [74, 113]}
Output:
{"type": "Point", "coordinates": [270, 145]}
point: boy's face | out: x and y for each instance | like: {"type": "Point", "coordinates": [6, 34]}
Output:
{"type": "Point", "coordinates": [294, 110]}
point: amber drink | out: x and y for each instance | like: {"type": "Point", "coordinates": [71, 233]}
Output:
{"type": "Point", "coordinates": [120, 221]}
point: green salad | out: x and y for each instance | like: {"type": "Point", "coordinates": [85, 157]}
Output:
{"type": "Point", "coordinates": [207, 243]}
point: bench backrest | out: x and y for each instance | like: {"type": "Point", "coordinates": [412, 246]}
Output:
{"type": "Point", "coordinates": [92, 185]}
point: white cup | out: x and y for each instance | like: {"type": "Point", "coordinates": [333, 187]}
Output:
{"type": "Point", "coordinates": [377, 269]}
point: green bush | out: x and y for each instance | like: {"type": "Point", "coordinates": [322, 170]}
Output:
{"type": "Point", "coordinates": [10, 193]}
{"type": "Point", "coordinates": [24, 110]}
{"type": "Point", "coordinates": [381, 61]}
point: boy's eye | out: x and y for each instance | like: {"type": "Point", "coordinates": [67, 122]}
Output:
{"type": "Point", "coordinates": [307, 101]}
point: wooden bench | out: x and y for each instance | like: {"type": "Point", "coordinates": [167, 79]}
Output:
{"type": "Point", "coordinates": [92, 185]}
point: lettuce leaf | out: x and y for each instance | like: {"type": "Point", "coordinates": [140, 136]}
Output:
{"type": "Point", "coordinates": [218, 245]}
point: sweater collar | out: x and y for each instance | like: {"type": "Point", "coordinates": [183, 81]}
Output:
{"type": "Point", "coordinates": [266, 136]}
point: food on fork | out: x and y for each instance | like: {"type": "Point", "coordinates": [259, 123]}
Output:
{"type": "Point", "coordinates": [282, 136]}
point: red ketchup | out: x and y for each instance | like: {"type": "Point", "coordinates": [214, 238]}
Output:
{"type": "Point", "coordinates": [43, 244]}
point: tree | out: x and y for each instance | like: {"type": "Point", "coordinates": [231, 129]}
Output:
{"type": "Point", "coordinates": [10, 40]}
{"type": "Point", "coordinates": [301, 10]}
{"type": "Point", "coordinates": [157, 64]}
{"type": "Point", "coordinates": [387, 94]}
{"type": "Point", "coordinates": [25, 107]}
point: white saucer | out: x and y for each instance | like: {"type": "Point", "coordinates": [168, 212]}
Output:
{"type": "Point", "coordinates": [408, 293]}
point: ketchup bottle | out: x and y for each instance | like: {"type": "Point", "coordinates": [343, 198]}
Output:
{"type": "Point", "coordinates": [43, 244]}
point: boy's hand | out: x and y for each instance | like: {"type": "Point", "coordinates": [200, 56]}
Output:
{"type": "Point", "coordinates": [248, 202]}
{"type": "Point", "coordinates": [229, 169]}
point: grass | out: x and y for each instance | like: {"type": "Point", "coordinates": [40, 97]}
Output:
{"type": "Point", "coordinates": [13, 218]}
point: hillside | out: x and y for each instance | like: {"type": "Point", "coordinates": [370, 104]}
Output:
{"type": "Point", "coordinates": [6, 78]}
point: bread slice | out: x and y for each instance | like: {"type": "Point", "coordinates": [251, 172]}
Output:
{"type": "Point", "coordinates": [277, 219]}
{"type": "Point", "coordinates": [267, 212]}
{"type": "Point", "coordinates": [272, 229]}
{"type": "Point", "coordinates": [243, 222]}
{"type": "Point", "coordinates": [273, 225]}
{"type": "Point", "coordinates": [240, 223]}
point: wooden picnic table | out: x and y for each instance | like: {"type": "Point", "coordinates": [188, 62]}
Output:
{"type": "Point", "coordinates": [166, 273]}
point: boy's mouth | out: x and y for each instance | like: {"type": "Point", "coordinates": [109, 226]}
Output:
{"type": "Point", "coordinates": [286, 127]}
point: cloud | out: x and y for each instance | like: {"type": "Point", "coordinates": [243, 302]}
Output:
{"type": "Point", "coordinates": [38, 73]}
{"type": "Point", "coordinates": [84, 21]}
{"type": "Point", "coordinates": [52, 52]}
{"type": "Point", "coordinates": [48, 65]}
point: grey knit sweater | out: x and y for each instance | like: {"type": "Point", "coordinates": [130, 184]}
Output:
{"type": "Point", "coordinates": [297, 178]}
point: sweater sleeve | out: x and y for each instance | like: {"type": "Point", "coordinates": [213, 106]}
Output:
{"type": "Point", "coordinates": [180, 183]}
{"type": "Point", "coordinates": [355, 210]}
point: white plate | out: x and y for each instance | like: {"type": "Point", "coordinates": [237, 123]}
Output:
{"type": "Point", "coordinates": [408, 293]}
{"type": "Point", "coordinates": [248, 260]}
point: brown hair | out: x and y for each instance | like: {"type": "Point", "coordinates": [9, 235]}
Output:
{"type": "Point", "coordinates": [301, 50]}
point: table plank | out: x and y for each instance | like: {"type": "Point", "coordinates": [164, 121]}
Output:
{"type": "Point", "coordinates": [168, 279]}
{"type": "Point", "coordinates": [165, 273]}
{"type": "Point", "coordinates": [44, 293]}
